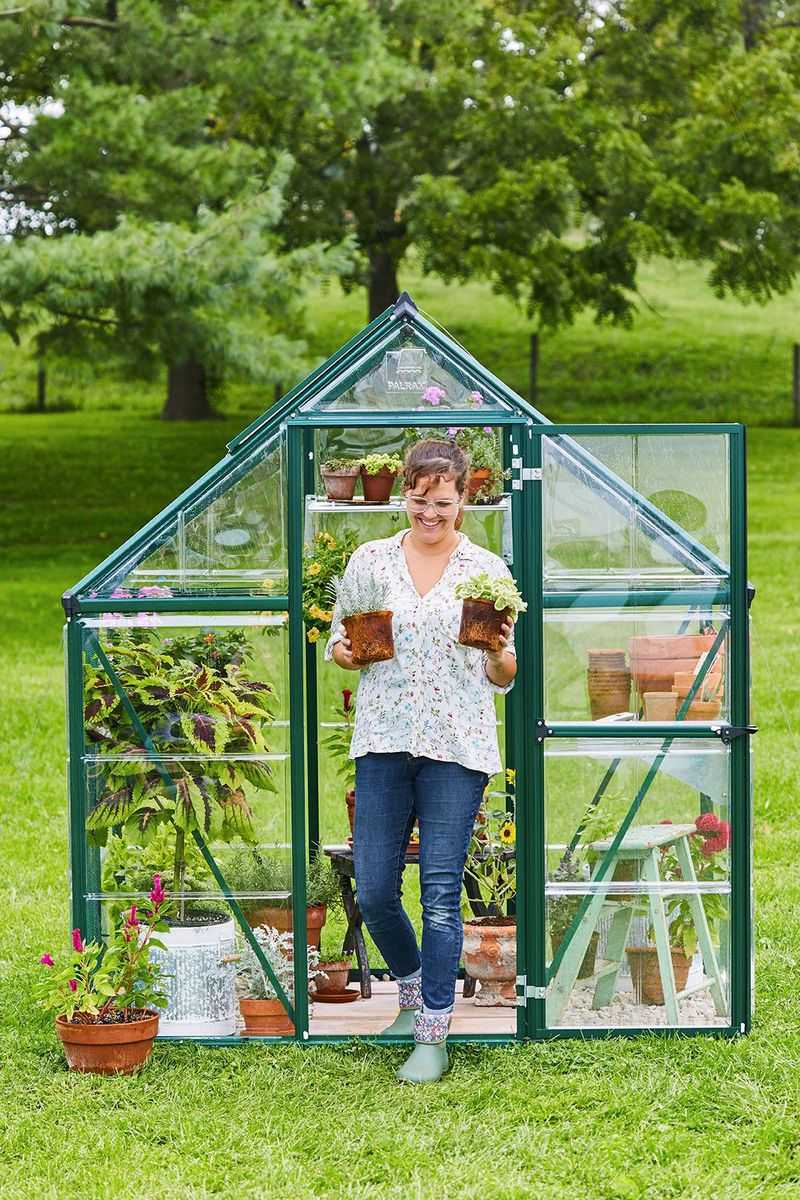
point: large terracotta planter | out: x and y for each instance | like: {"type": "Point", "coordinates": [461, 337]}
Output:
{"type": "Point", "coordinates": [280, 918]}
{"type": "Point", "coordinates": [116, 1049]}
{"type": "Point", "coordinates": [264, 1018]}
{"type": "Point", "coordinates": [481, 624]}
{"type": "Point", "coordinates": [337, 975]}
{"type": "Point", "coordinates": [646, 976]}
{"type": "Point", "coordinates": [340, 485]}
{"type": "Point", "coordinates": [370, 637]}
{"type": "Point", "coordinates": [673, 645]}
{"type": "Point", "coordinates": [378, 488]}
{"type": "Point", "coordinates": [477, 479]}
{"type": "Point", "coordinates": [490, 956]}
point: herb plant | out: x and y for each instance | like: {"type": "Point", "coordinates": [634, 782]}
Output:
{"type": "Point", "coordinates": [353, 594]}
{"type": "Point", "coordinates": [373, 464]}
{"type": "Point", "coordinates": [278, 949]}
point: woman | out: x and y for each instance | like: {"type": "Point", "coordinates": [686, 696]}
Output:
{"type": "Point", "coordinates": [424, 744]}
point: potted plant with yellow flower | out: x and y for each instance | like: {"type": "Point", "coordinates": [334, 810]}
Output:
{"type": "Point", "coordinates": [490, 939]}
{"type": "Point", "coordinates": [323, 560]}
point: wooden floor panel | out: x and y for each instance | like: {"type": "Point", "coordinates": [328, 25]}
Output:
{"type": "Point", "coordinates": [373, 1015]}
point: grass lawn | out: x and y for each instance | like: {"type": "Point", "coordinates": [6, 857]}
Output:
{"type": "Point", "coordinates": [693, 1118]}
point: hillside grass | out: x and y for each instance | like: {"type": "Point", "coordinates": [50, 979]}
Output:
{"type": "Point", "coordinates": [616, 1120]}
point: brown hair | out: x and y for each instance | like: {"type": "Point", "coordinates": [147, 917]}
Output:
{"type": "Point", "coordinates": [435, 460]}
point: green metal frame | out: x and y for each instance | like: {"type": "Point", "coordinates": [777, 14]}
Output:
{"type": "Point", "coordinates": [294, 419]}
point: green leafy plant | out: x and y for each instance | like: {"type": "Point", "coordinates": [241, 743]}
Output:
{"type": "Point", "coordinates": [351, 465]}
{"type": "Point", "coordinates": [251, 870]}
{"type": "Point", "coordinates": [491, 862]}
{"type": "Point", "coordinates": [278, 948]}
{"type": "Point", "coordinates": [711, 839]}
{"type": "Point", "coordinates": [114, 983]}
{"type": "Point", "coordinates": [373, 464]}
{"type": "Point", "coordinates": [339, 740]}
{"type": "Point", "coordinates": [323, 560]}
{"type": "Point", "coordinates": [499, 589]}
{"type": "Point", "coordinates": [191, 694]}
{"type": "Point", "coordinates": [353, 594]}
{"type": "Point", "coordinates": [129, 867]}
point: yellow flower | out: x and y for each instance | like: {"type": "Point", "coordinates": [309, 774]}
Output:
{"type": "Point", "coordinates": [508, 833]}
{"type": "Point", "coordinates": [511, 777]}
{"type": "Point", "coordinates": [314, 568]}
{"type": "Point", "coordinates": [268, 585]}
{"type": "Point", "coordinates": [313, 635]}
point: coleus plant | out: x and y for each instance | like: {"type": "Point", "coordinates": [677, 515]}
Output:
{"type": "Point", "coordinates": [195, 700]}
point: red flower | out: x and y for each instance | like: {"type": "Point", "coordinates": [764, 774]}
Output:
{"type": "Point", "coordinates": [47, 961]}
{"type": "Point", "coordinates": [347, 698]}
{"type": "Point", "coordinates": [73, 985]}
{"type": "Point", "coordinates": [77, 942]}
{"type": "Point", "coordinates": [718, 841]}
{"type": "Point", "coordinates": [708, 823]}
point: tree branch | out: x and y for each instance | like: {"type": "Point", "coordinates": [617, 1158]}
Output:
{"type": "Point", "coordinates": [76, 22]}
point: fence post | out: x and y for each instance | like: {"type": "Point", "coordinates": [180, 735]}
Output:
{"type": "Point", "coordinates": [533, 370]}
{"type": "Point", "coordinates": [796, 382]}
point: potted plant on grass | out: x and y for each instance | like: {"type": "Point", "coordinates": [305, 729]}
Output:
{"type": "Point", "coordinates": [489, 602]}
{"type": "Point", "coordinates": [106, 997]}
{"type": "Point", "coordinates": [339, 475]}
{"type": "Point", "coordinates": [205, 719]}
{"type": "Point", "coordinates": [262, 1011]}
{"type": "Point", "coordinates": [378, 473]}
{"type": "Point", "coordinates": [490, 941]}
{"type": "Point", "coordinates": [254, 871]}
{"type": "Point", "coordinates": [368, 624]}
{"type": "Point", "coordinates": [323, 560]}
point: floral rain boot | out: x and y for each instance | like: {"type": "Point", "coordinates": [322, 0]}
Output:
{"type": "Point", "coordinates": [409, 993]}
{"type": "Point", "coordinates": [428, 1061]}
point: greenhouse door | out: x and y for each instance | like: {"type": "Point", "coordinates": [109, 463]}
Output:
{"type": "Point", "coordinates": [635, 844]}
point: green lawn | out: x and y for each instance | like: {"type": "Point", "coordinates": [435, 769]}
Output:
{"type": "Point", "coordinates": [693, 1118]}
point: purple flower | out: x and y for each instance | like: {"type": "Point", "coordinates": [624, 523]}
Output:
{"type": "Point", "coordinates": [158, 895]}
{"type": "Point", "coordinates": [77, 942]}
{"type": "Point", "coordinates": [120, 593]}
{"type": "Point", "coordinates": [476, 398]}
{"type": "Point", "coordinates": [47, 960]}
{"type": "Point", "coordinates": [433, 395]}
{"type": "Point", "coordinates": [487, 429]}
{"type": "Point", "coordinates": [73, 985]}
{"type": "Point", "coordinates": [154, 591]}
{"type": "Point", "coordinates": [453, 431]}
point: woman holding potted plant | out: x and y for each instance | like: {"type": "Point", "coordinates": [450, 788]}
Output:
{"type": "Point", "coordinates": [424, 742]}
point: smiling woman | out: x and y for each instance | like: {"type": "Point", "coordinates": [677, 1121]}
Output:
{"type": "Point", "coordinates": [425, 740]}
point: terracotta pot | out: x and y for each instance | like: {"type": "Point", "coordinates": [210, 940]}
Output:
{"type": "Point", "coordinates": [370, 637]}
{"type": "Point", "coordinates": [338, 976]}
{"type": "Point", "coordinates": [703, 710]}
{"type": "Point", "coordinates": [673, 645]}
{"type": "Point", "coordinates": [477, 479]}
{"type": "Point", "coordinates": [490, 955]}
{"type": "Point", "coordinates": [660, 706]}
{"type": "Point", "coordinates": [340, 485]}
{"type": "Point", "coordinates": [646, 976]}
{"type": "Point", "coordinates": [589, 959]}
{"type": "Point", "coordinates": [710, 688]}
{"type": "Point", "coordinates": [116, 1049]}
{"type": "Point", "coordinates": [378, 488]}
{"type": "Point", "coordinates": [481, 624]}
{"type": "Point", "coordinates": [609, 692]}
{"type": "Point", "coordinates": [280, 918]}
{"type": "Point", "coordinates": [606, 660]}
{"type": "Point", "coordinates": [264, 1018]}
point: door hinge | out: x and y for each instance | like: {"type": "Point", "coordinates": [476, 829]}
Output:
{"type": "Point", "coordinates": [526, 475]}
{"type": "Point", "coordinates": [528, 991]}
{"type": "Point", "coordinates": [533, 473]}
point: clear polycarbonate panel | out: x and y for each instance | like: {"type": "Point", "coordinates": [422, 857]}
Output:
{"type": "Point", "coordinates": [604, 663]}
{"type": "Point", "coordinates": [409, 375]}
{"type": "Point", "coordinates": [231, 540]}
{"type": "Point", "coordinates": [208, 750]}
{"type": "Point", "coordinates": [595, 785]}
{"type": "Point", "coordinates": [651, 957]}
{"type": "Point", "coordinates": [635, 510]}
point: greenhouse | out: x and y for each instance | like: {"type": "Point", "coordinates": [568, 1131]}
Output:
{"type": "Point", "coordinates": [208, 736]}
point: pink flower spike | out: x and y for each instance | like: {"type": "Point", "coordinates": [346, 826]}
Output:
{"type": "Point", "coordinates": [47, 960]}
{"type": "Point", "coordinates": [77, 942]}
{"type": "Point", "coordinates": [132, 920]}
{"type": "Point", "coordinates": [347, 699]}
{"type": "Point", "coordinates": [73, 985]}
{"type": "Point", "coordinates": [157, 896]}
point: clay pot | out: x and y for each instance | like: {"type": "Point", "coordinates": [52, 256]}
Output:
{"type": "Point", "coordinates": [710, 688]}
{"type": "Point", "coordinates": [340, 485]}
{"type": "Point", "coordinates": [378, 488]}
{"type": "Point", "coordinates": [370, 637]}
{"type": "Point", "coordinates": [672, 645]}
{"type": "Point", "coordinates": [660, 706]}
{"type": "Point", "coordinates": [481, 624]}
{"type": "Point", "coordinates": [646, 976]}
{"type": "Point", "coordinates": [477, 479]}
{"type": "Point", "coordinates": [280, 918]}
{"type": "Point", "coordinates": [264, 1018]}
{"type": "Point", "coordinates": [116, 1049]}
{"type": "Point", "coordinates": [606, 660]}
{"type": "Point", "coordinates": [337, 976]}
{"type": "Point", "coordinates": [702, 710]}
{"type": "Point", "coordinates": [587, 966]}
{"type": "Point", "coordinates": [490, 955]}
{"type": "Point", "coordinates": [609, 692]}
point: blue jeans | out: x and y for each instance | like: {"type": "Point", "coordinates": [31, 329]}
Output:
{"type": "Point", "coordinates": [391, 791]}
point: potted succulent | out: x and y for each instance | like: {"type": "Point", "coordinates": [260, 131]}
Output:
{"type": "Point", "coordinates": [253, 871]}
{"type": "Point", "coordinates": [200, 711]}
{"type": "Point", "coordinates": [325, 558]}
{"type": "Point", "coordinates": [490, 941]}
{"type": "Point", "coordinates": [262, 1011]}
{"type": "Point", "coordinates": [106, 998]}
{"type": "Point", "coordinates": [712, 838]}
{"type": "Point", "coordinates": [339, 476]}
{"type": "Point", "coordinates": [489, 602]}
{"type": "Point", "coordinates": [378, 473]}
{"type": "Point", "coordinates": [368, 623]}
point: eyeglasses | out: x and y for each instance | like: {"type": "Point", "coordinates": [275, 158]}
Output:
{"type": "Point", "coordinates": [442, 508]}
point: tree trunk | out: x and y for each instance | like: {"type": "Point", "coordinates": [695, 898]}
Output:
{"type": "Point", "coordinates": [753, 18]}
{"type": "Point", "coordinates": [187, 393]}
{"type": "Point", "coordinates": [383, 289]}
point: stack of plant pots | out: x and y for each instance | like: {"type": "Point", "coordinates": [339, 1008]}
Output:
{"type": "Point", "coordinates": [664, 669]}
{"type": "Point", "coordinates": [608, 682]}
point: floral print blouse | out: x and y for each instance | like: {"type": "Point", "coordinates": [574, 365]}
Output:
{"type": "Point", "coordinates": [433, 699]}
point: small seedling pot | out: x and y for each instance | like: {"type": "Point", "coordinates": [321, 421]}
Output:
{"type": "Point", "coordinates": [378, 488]}
{"type": "Point", "coordinates": [340, 485]}
{"type": "Point", "coordinates": [481, 624]}
{"type": "Point", "coordinates": [115, 1049]}
{"type": "Point", "coordinates": [264, 1018]}
{"type": "Point", "coordinates": [660, 706]}
{"type": "Point", "coordinates": [370, 637]}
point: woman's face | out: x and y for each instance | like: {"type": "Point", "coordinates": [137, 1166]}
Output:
{"type": "Point", "coordinates": [436, 521]}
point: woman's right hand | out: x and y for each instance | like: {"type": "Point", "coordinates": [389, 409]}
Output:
{"type": "Point", "coordinates": [343, 652]}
